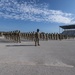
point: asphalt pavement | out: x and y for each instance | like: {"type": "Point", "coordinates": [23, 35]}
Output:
{"type": "Point", "coordinates": [52, 57]}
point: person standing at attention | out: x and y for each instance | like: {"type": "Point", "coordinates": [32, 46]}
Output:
{"type": "Point", "coordinates": [37, 37]}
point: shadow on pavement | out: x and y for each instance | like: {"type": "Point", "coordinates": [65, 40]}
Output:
{"type": "Point", "coordinates": [18, 45]}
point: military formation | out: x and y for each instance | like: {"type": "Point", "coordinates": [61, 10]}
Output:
{"type": "Point", "coordinates": [13, 36]}
{"type": "Point", "coordinates": [17, 36]}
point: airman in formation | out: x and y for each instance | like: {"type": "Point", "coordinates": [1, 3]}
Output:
{"type": "Point", "coordinates": [13, 36]}
{"type": "Point", "coordinates": [16, 36]}
{"type": "Point", "coordinates": [37, 38]}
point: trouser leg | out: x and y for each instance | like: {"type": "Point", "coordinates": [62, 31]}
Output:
{"type": "Point", "coordinates": [19, 39]}
{"type": "Point", "coordinates": [38, 42]}
{"type": "Point", "coordinates": [35, 42]}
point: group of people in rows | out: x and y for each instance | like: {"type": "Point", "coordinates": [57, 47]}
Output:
{"type": "Point", "coordinates": [16, 36]}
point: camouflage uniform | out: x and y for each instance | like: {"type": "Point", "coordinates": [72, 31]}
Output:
{"type": "Point", "coordinates": [37, 37]}
{"type": "Point", "coordinates": [46, 36]}
{"type": "Point", "coordinates": [18, 37]}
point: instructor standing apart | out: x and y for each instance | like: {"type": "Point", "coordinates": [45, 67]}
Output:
{"type": "Point", "coordinates": [37, 37]}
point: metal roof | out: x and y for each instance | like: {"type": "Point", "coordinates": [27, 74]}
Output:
{"type": "Point", "coordinates": [68, 27]}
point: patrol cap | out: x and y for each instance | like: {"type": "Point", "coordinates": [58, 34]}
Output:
{"type": "Point", "coordinates": [37, 30]}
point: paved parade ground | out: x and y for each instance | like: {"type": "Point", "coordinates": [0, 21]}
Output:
{"type": "Point", "coordinates": [52, 57]}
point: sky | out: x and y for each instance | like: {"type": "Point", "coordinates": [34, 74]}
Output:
{"type": "Point", "coordinates": [29, 15]}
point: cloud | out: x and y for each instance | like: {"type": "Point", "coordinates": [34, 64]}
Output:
{"type": "Point", "coordinates": [34, 12]}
